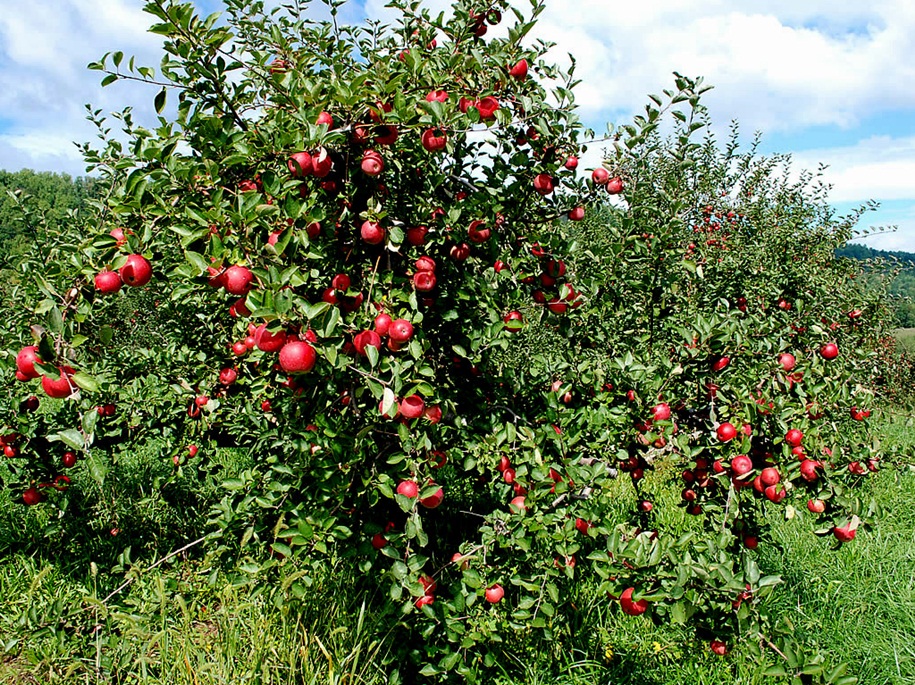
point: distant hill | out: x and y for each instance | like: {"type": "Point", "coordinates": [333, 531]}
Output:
{"type": "Point", "coordinates": [864, 252]}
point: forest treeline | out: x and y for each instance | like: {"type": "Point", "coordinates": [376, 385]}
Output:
{"type": "Point", "coordinates": [56, 194]}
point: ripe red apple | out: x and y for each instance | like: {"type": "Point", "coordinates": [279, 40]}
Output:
{"type": "Point", "coordinates": [372, 163]}
{"type": "Point", "coordinates": [460, 252]}
{"type": "Point", "coordinates": [299, 164]}
{"type": "Point", "coordinates": [437, 96]}
{"type": "Point", "coordinates": [630, 607]}
{"type": "Point", "coordinates": [478, 232]}
{"type": "Point", "coordinates": [322, 163]}
{"type": "Point", "coordinates": [424, 281]}
{"type": "Point", "coordinates": [118, 235]}
{"type": "Point", "coordinates": [829, 351]}
{"type": "Point", "coordinates": [660, 412]}
{"type": "Point", "coordinates": [434, 140]}
{"type": "Point", "coordinates": [62, 387]}
{"type": "Point", "coordinates": [494, 594]}
{"type": "Point", "coordinates": [372, 232]}
{"type": "Point", "coordinates": [31, 496]}
{"type": "Point", "coordinates": [434, 415]}
{"type": "Point", "coordinates": [845, 533]}
{"type": "Point", "coordinates": [487, 107]}
{"type": "Point", "coordinates": [69, 460]}
{"type": "Point", "coordinates": [543, 184]}
{"type": "Point", "coordinates": [107, 282]}
{"type": "Point", "coordinates": [718, 647]}
{"type": "Point", "coordinates": [237, 280]}
{"type": "Point", "coordinates": [379, 541]}
{"type": "Point", "coordinates": [382, 324]}
{"type": "Point", "coordinates": [267, 341]}
{"type": "Point", "coordinates": [400, 331]}
{"type": "Point", "coordinates": [433, 500]}
{"type": "Point", "coordinates": [517, 504]}
{"type": "Point", "coordinates": [25, 362]}
{"type": "Point", "coordinates": [721, 363]}
{"type": "Point", "coordinates": [793, 437]}
{"type": "Point", "coordinates": [192, 451]}
{"type": "Point", "coordinates": [615, 185]}
{"type": "Point", "coordinates": [365, 339]}
{"type": "Point", "coordinates": [407, 488]}
{"type": "Point", "coordinates": [228, 376]}
{"type": "Point", "coordinates": [741, 464]}
{"type": "Point", "coordinates": [519, 71]}
{"type": "Point", "coordinates": [514, 321]}
{"type": "Point", "coordinates": [726, 432]}
{"type": "Point", "coordinates": [577, 214]}
{"type": "Point", "coordinates": [571, 162]}
{"type": "Point", "coordinates": [816, 506]}
{"type": "Point", "coordinates": [809, 470]}
{"type": "Point", "coordinates": [504, 463]}
{"type": "Point", "coordinates": [137, 271]}
{"type": "Point", "coordinates": [417, 235]}
{"type": "Point", "coordinates": [412, 407]}
{"type": "Point", "coordinates": [239, 348]}
{"type": "Point", "coordinates": [770, 476]}
{"type": "Point", "coordinates": [600, 176]}
{"type": "Point", "coordinates": [326, 119]}
{"type": "Point", "coordinates": [297, 357]}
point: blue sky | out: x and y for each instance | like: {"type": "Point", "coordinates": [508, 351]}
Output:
{"type": "Point", "coordinates": [825, 80]}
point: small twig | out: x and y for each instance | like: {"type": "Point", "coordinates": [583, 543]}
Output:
{"type": "Point", "coordinates": [168, 556]}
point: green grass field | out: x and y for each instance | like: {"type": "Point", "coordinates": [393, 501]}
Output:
{"type": "Point", "coordinates": [191, 621]}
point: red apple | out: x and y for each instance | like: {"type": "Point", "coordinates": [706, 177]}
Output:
{"type": "Point", "coordinates": [437, 96]}
{"type": "Point", "coordinates": [487, 107]}
{"type": "Point", "coordinates": [424, 281]}
{"type": "Point", "coordinates": [412, 407]}
{"type": "Point", "coordinates": [326, 119]}
{"type": "Point", "coordinates": [809, 470]}
{"type": "Point", "coordinates": [366, 339]}
{"type": "Point", "coordinates": [400, 330]}
{"type": "Point", "coordinates": [726, 432]}
{"type": "Point", "coordinates": [600, 176]}
{"type": "Point", "coordinates": [69, 460]}
{"type": "Point", "coordinates": [237, 280]}
{"type": "Point", "coordinates": [577, 214]}
{"type": "Point", "coordinates": [433, 500]}
{"type": "Point", "coordinates": [60, 388]}
{"type": "Point", "coordinates": [829, 351]}
{"type": "Point", "coordinates": [519, 71]}
{"type": "Point", "coordinates": [660, 412]}
{"type": "Point", "coordinates": [615, 185]}
{"type": "Point", "coordinates": [25, 362]}
{"type": "Point", "coordinates": [417, 235]}
{"type": "Point", "coordinates": [228, 376]}
{"type": "Point", "coordinates": [31, 496]}
{"type": "Point", "coordinates": [741, 464]}
{"type": "Point", "coordinates": [299, 165]}
{"type": "Point", "coordinates": [372, 163]}
{"type": "Point", "coordinates": [478, 232]}
{"type": "Point", "coordinates": [267, 341]}
{"type": "Point", "coordinates": [382, 324]}
{"type": "Point", "coordinates": [543, 184]}
{"type": "Point", "coordinates": [297, 357]}
{"type": "Point", "coordinates": [379, 541]}
{"type": "Point", "coordinates": [407, 488]}
{"type": "Point", "coordinates": [372, 232]}
{"type": "Point", "coordinates": [816, 506]}
{"type": "Point", "coordinates": [718, 647]}
{"type": "Point", "coordinates": [137, 271]}
{"type": "Point", "coordinates": [514, 321]}
{"type": "Point", "coordinates": [494, 594]}
{"type": "Point", "coordinates": [630, 607]}
{"type": "Point", "coordinates": [793, 437]}
{"type": "Point", "coordinates": [434, 140]}
{"type": "Point", "coordinates": [107, 282]}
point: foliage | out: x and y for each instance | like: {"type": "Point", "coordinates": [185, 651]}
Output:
{"type": "Point", "coordinates": [316, 177]}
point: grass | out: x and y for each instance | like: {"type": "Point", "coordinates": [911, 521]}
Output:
{"type": "Point", "coordinates": [191, 621]}
{"type": "Point", "coordinates": [906, 339]}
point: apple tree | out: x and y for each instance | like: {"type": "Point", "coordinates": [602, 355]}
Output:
{"type": "Point", "coordinates": [366, 256]}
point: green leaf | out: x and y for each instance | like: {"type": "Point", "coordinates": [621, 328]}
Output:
{"type": "Point", "coordinates": [159, 101]}
{"type": "Point", "coordinates": [85, 381]}
{"type": "Point", "coordinates": [72, 438]}
{"type": "Point", "coordinates": [98, 469]}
